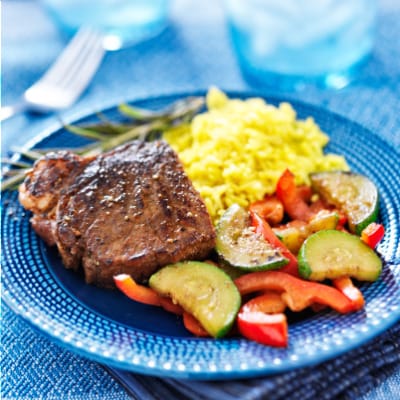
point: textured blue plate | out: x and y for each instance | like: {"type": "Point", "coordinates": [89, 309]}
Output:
{"type": "Point", "coordinates": [107, 327]}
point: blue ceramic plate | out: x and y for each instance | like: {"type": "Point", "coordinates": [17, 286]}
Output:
{"type": "Point", "coordinates": [108, 327]}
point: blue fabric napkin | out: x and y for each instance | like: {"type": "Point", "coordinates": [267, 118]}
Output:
{"type": "Point", "coordinates": [347, 377]}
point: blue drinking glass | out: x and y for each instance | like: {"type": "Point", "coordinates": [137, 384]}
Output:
{"type": "Point", "coordinates": [292, 43]}
{"type": "Point", "coordinates": [123, 22]}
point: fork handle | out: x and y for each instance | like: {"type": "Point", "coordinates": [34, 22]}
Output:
{"type": "Point", "coordinates": [9, 111]}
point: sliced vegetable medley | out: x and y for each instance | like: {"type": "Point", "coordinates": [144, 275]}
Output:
{"type": "Point", "coordinates": [297, 249]}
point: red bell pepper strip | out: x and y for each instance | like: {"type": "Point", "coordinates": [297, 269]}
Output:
{"type": "Point", "coordinates": [293, 202]}
{"type": "Point", "coordinates": [305, 192]}
{"type": "Point", "coordinates": [342, 221]}
{"type": "Point", "coordinates": [297, 293]}
{"type": "Point", "coordinates": [268, 329]}
{"type": "Point", "coordinates": [264, 229]}
{"type": "Point", "coordinates": [373, 234]}
{"type": "Point", "coordinates": [270, 208]}
{"type": "Point", "coordinates": [145, 295]}
{"type": "Point", "coordinates": [268, 302]}
{"type": "Point", "coordinates": [142, 294]}
{"type": "Point", "coordinates": [168, 305]}
{"type": "Point", "coordinates": [346, 286]}
{"type": "Point", "coordinates": [193, 325]}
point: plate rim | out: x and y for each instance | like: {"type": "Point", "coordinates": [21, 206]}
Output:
{"type": "Point", "coordinates": [218, 374]}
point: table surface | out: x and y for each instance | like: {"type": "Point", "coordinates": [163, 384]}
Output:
{"type": "Point", "coordinates": [193, 53]}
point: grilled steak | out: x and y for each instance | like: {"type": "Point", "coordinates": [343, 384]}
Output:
{"type": "Point", "coordinates": [131, 210]}
{"type": "Point", "coordinates": [41, 189]}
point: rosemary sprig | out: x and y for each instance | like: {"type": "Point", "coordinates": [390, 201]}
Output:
{"type": "Point", "coordinates": [106, 134]}
{"type": "Point", "coordinates": [29, 154]}
{"type": "Point", "coordinates": [86, 133]}
{"type": "Point", "coordinates": [12, 182]}
{"type": "Point", "coordinates": [17, 164]}
{"type": "Point", "coordinates": [180, 109]}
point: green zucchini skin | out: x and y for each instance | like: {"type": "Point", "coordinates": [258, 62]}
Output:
{"type": "Point", "coordinates": [203, 290]}
{"type": "Point", "coordinates": [239, 246]}
{"type": "Point", "coordinates": [355, 194]}
{"type": "Point", "coordinates": [331, 254]}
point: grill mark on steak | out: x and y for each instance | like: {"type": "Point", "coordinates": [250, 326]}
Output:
{"type": "Point", "coordinates": [131, 210]}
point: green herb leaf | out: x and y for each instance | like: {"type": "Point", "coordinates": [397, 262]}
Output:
{"type": "Point", "coordinates": [106, 134]}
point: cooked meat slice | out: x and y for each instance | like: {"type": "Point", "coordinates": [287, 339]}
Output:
{"type": "Point", "coordinates": [44, 227]}
{"type": "Point", "coordinates": [131, 210]}
{"type": "Point", "coordinates": [41, 189]}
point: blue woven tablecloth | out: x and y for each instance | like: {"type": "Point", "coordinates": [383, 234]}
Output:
{"type": "Point", "coordinates": [192, 54]}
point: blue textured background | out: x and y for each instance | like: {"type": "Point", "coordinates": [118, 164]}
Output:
{"type": "Point", "coordinates": [193, 53]}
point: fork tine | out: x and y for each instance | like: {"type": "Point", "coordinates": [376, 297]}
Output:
{"type": "Point", "coordinates": [66, 79]}
{"type": "Point", "coordinates": [85, 64]}
{"type": "Point", "coordinates": [87, 70]}
{"type": "Point", "coordinates": [68, 57]}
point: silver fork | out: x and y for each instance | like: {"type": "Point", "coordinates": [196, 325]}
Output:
{"type": "Point", "coordinates": [66, 79]}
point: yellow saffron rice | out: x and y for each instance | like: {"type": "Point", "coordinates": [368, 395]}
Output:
{"type": "Point", "coordinates": [236, 151]}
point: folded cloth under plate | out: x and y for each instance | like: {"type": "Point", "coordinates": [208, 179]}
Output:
{"type": "Point", "coordinates": [346, 377]}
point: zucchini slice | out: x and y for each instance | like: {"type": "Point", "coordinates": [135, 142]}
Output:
{"type": "Point", "coordinates": [239, 246]}
{"type": "Point", "coordinates": [354, 194]}
{"type": "Point", "coordinates": [331, 254]}
{"type": "Point", "coordinates": [203, 290]}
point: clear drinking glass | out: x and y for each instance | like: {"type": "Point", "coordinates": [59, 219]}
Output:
{"type": "Point", "coordinates": [290, 43]}
{"type": "Point", "coordinates": [124, 22]}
